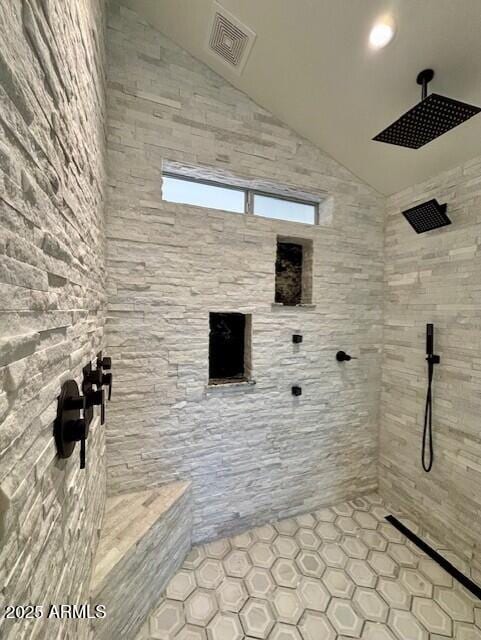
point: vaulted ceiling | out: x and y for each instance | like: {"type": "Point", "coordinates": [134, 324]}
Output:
{"type": "Point", "coordinates": [311, 66]}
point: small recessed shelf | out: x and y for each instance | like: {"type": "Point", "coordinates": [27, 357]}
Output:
{"type": "Point", "coordinates": [294, 267]}
{"type": "Point", "coordinates": [230, 344]}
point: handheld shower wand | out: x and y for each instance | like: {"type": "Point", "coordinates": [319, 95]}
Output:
{"type": "Point", "coordinates": [428, 413]}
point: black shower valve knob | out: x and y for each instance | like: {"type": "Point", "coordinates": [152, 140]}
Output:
{"type": "Point", "coordinates": [94, 376]}
{"type": "Point", "coordinates": [100, 379]}
{"type": "Point", "coordinates": [70, 426]}
{"type": "Point", "coordinates": [104, 362]}
{"type": "Point", "coordinates": [103, 379]}
{"type": "Point", "coordinates": [74, 403]}
{"type": "Point", "coordinates": [82, 453]}
{"type": "Point", "coordinates": [296, 390]}
{"type": "Point", "coordinates": [342, 356]}
{"type": "Point", "coordinates": [107, 380]}
{"type": "Point", "coordinates": [96, 399]}
{"type": "Point", "coordinates": [296, 338]}
{"type": "Point", "coordinates": [76, 431]}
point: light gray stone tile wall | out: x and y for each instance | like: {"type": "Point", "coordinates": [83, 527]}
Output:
{"type": "Point", "coordinates": [52, 299]}
{"type": "Point", "coordinates": [435, 277]}
{"type": "Point", "coordinates": [252, 453]}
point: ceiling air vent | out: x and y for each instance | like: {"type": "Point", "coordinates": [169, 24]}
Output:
{"type": "Point", "coordinates": [229, 39]}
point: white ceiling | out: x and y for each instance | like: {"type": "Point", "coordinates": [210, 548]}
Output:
{"type": "Point", "coordinates": [311, 67]}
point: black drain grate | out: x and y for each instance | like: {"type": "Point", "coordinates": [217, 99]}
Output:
{"type": "Point", "coordinates": [437, 557]}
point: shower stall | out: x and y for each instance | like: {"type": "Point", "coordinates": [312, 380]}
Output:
{"type": "Point", "coordinates": [291, 449]}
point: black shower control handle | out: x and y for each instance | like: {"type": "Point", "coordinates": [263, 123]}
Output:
{"type": "Point", "coordinates": [107, 380]}
{"type": "Point", "coordinates": [72, 404]}
{"type": "Point", "coordinates": [70, 426]}
{"type": "Point", "coordinates": [82, 453]}
{"type": "Point", "coordinates": [103, 362]}
{"type": "Point", "coordinates": [101, 395]}
{"type": "Point", "coordinates": [100, 379]}
{"type": "Point", "coordinates": [94, 377]}
{"type": "Point", "coordinates": [76, 431]}
{"type": "Point", "coordinates": [96, 398]}
{"type": "Point", "coordinates": [342, 356]}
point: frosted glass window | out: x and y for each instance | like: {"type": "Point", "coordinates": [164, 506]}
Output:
{"type": "Point", "coordinates": [203, 195]}
{"type": "Point", "coordinates": [280, 209]}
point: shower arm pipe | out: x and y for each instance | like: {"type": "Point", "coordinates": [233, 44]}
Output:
{"type": "Point", "coordinates": [424, 90]}
{"type": "Point", "coordinates": [424, 77]}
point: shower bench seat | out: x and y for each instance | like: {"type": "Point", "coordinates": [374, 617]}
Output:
{"type": "Point", "coordinates": [144, 539]}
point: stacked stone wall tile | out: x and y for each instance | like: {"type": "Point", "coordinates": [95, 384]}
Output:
{"type": "Point", "coordinates": [435, 277]}
{"type": "Point", "coordinates": [52, 300]}
{"type": "Point", "coordinates": [254, 452]}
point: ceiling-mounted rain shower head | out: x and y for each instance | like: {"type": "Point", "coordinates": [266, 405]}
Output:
{"type": "Point", "coordinates": [427, 120]}
{"type": "Point", "coordinates": [427, 216]}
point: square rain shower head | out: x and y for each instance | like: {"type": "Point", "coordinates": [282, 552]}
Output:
{"type": "Point", "coordinates": [427, 216]}
{"type": "Point", "coordinates": [427, 120]}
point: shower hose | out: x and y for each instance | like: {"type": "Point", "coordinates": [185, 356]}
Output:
{"type": "Point", "coordinates": [428, 422]}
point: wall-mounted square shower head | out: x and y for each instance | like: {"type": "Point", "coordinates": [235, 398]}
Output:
{"type": "Point", "coordinates": [427, 120]}
{"type": "Point", "coordinates": [427, 216]}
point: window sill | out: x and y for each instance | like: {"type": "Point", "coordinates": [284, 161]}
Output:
{"type": "Point", "coordinates": [223, 386]}
{"type": "Point", "coordinates": [280, 305]}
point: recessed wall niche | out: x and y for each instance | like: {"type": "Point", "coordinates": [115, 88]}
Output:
{"type": "Point", "coordinates": [293, 283]}
{"type": "Point", "coordinates": [229, 348]}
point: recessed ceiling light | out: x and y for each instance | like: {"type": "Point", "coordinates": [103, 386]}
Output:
{"type": "Point", "coordinates": [382, 33]}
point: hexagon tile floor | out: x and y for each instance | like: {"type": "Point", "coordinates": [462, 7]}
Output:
{"type": "Point", "coordinates": [341, 572]}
